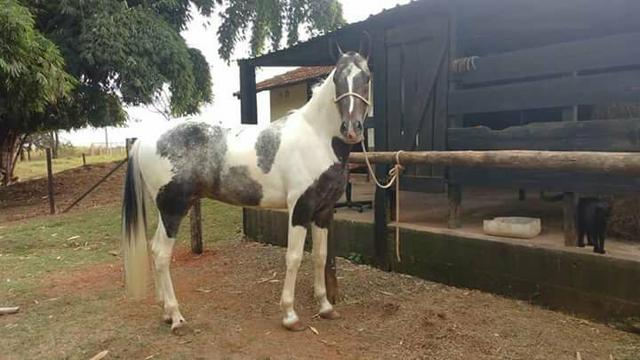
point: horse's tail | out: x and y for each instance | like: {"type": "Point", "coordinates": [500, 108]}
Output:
{"type": "Point", "coordinates": [134, 239]}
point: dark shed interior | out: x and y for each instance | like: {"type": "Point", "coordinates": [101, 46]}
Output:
{"type": "Point", "coordinates": [493, 75]}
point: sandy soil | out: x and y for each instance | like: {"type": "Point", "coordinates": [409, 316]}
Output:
{"type": "Point", "coordinates": [229, 296]}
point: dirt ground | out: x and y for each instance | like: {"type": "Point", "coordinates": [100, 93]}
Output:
{"type": "Point", "coordinates": [230, 295]}
{"type": "Point", "coordinates": [30, 198]}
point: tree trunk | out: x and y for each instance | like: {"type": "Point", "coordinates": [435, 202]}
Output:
{"type": "Point", "coordinates": [21, 151]}
{"type": "Point", "coordinates": [57, 148]}
{"type": "Point", "coordinates": [8, 146]}
{"type": "Point", "coordinates": [55, 144]}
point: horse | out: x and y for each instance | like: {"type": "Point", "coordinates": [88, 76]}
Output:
{"type": "Point", "coordinates": [297, 163]}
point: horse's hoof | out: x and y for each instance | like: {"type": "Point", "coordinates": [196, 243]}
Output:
{"type": "Point", "coordinates": [296, 326]}
{"type": "Point", "coordinates": [176, 325]}
{"type": "Point", "coordinates": [330, 315]}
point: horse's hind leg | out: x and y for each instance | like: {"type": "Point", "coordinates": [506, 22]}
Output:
{"type": "Point", "coordinates": [157, 279]}
{"type": "Point", "coordinates": [162, 248]}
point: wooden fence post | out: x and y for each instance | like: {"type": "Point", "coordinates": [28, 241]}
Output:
{"type": "Point", "coordinates": [522, 194]}
{"type": "Point", "coordinates": [569, 204]}
{"type": "Point", "coordinates": [84, 160]}
{"type": "Point", "coordinates": [196, 228]}
{"type": "Point", "coordinates": [52, 204]}
{"type": "Point", "coordinates": [569, 223]}
{"type": "Point", "coordinates": [454, 193]}
{"type": "Point", "coordinates": [381, 142]}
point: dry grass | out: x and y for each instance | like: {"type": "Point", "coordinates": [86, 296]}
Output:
{"type": "Point", "coordinates": [37, 168]}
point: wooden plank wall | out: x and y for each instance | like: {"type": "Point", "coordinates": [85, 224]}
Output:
{"type": "Point", "coordinates": [594, 71]}
{"type": "Point", "coordinates": [596, 135]}
{"type": "Point", "coordinates": [416, 95]}
{"type": "Point", "coordinates": [623, 86]}
{"type": "Point", "coordinates": [601, 70]}
{"type": "Point", "coordinates": [495, 26]}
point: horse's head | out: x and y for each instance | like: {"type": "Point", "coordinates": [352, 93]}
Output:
{"type": "Point", "coordinates": [352, 82]}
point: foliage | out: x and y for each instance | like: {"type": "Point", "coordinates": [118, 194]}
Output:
{"type": "Point", "coordinates": [123, 53]}
{"type": "Point", "coordinates": [268, 19]}
{"type": "Point", "coordinates": [32, 70]}
{"type": "Point", "coordinates": [127, 51]}
{"type": "Point", "coordinates": [117, 52]}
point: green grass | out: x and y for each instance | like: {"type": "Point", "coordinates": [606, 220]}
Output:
{"type": "Point", "coordinates": [79, 325]}
{"type": "Point", "coordinates": [30, 250]}
{"type": "Point", "coordinates": [37, 168]}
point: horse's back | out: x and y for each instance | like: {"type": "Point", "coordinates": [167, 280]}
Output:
{"type": "Point", "coordinates": [207, 160]}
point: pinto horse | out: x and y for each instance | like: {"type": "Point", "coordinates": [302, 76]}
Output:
{"type": "Point", "coordinates": [297, 163]}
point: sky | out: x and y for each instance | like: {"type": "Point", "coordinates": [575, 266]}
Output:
{"type": "Point", "coordinates": [225, 108]}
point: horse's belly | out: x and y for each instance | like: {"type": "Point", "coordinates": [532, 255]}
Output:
{"type": "Point", "coordinates": [274, 201]}
{"type": "Point", "coordinates": [237, 186]}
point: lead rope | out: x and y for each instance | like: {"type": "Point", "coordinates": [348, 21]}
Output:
{"type": "Point", "coordinates": [394, 175]}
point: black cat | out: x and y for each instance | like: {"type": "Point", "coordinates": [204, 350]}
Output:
{"type": "Point", "coordinates": [593, 215]}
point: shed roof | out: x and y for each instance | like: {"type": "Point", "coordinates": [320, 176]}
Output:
{"type": "Point", "coordinates": [483, 27]}
{"type": "Point", "coordinates": [295, 76]}
{"type": "Point", "coordinates": [316, 51]}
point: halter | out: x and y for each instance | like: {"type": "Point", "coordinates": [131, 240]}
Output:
{"type": "Point", "coordinates": [356, 95]}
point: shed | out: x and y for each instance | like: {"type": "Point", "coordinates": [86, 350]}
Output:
{"type": "Point", "coordinates": [292, 89]}
{"type": "Point", "coordinates": [491, 75]}
{"type": "Point", "coordinates": [496, 74]}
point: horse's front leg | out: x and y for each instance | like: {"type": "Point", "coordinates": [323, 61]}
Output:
{"type": "Point", "coordinates": [319, 235]}
{"type": "Point", "coordinates": [295, 248]}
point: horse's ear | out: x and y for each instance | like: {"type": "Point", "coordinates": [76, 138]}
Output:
{"type": "Point", "coordinates": [335, 51]}
{"type": "Point", "coordinates": [365, 45]}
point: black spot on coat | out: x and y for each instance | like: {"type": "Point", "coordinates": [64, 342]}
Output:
{"type": "Point", "coordinates": [173, 201]}
{"type": "Point", "coordinates": [341, 149]}
{"type": "Point", "coordinates": [317, 202]}
{"type": "Point", "coordinates": [239, 188]}
{"type": "Point", "coordinates": [196, 151]}
{"type": "Point", "coordinates": [267, 145]}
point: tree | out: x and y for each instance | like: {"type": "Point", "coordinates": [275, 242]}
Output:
{"type": "Point", "coordinates": [32, 77]}
{"type": "Point", "coordinates": [129, 52]}
{"type": "Point", "coordinates": [269, 19]}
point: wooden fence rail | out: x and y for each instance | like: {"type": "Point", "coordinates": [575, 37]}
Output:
{"type": "Point", "coordinates": [619, 163]}
{"type": "Point", "coordinates": [622, 163]}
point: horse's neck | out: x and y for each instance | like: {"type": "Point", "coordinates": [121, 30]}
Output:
{"type": "Point", "coordinates": [321, 112]}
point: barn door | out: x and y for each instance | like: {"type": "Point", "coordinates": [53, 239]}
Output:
{"type": "Point", "coordinates": [416, 96]}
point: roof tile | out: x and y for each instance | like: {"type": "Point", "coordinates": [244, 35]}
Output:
{"type": "Point", "coordinates": [295, 76]}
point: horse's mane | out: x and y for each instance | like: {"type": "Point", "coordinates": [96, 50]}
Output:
{"type": "Point", "coordinates": [316, 87]}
